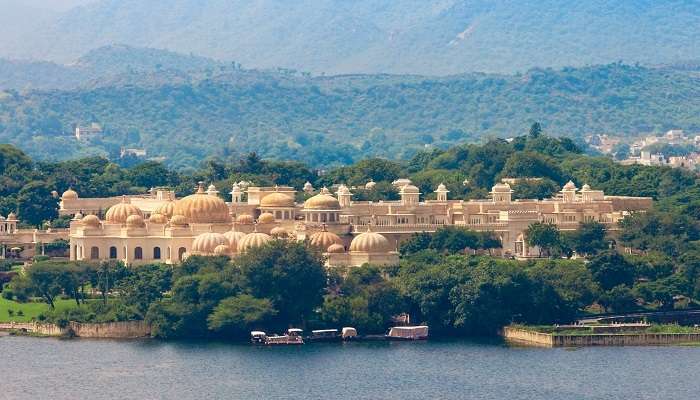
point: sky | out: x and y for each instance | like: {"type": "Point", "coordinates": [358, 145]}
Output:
{"type": "Point", "coordinates": [53, 5]}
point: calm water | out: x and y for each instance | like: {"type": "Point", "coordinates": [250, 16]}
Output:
{"type": "Point", "coordinates": [97, 369]}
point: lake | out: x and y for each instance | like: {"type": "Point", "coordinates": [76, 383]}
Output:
{"type": "Point", "coordinates": [43, 368]}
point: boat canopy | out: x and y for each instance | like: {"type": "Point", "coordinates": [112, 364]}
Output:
{"type": "Point", "coordinates": [257, 333]}
{"type": "Point", "coordinates": [325, 331]}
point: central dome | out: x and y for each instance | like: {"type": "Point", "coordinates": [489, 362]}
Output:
{"type": "Point", "coordinates": [202, 208]}
{"type": "Point", "coordinates": [322, 201]}
{"type": "Point", "coordinates": [324, 239]}
{"type": "Point", "coordinates": [253, 240]}
{"type": "Point", "coordinates": [277, 200]}
{"type": "Point", "coordinates": [166, 209]}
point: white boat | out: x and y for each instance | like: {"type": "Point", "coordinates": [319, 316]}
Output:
{"type": "Point", "coordinates": [293, 336]}
{"type": "Point", "coordinates": [408, 333]}
{"type": "Point", "coordinates": [323, 335]}
{"type": "Point", "coordinates": [349, 333]}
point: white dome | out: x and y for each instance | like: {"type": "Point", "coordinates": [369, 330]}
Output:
{"type": "Point", "coordinates": [222, 250]}
{"type": "Point", "coordinates": [202, 208]}
{"type": "Point", "coordinates": [91, 221]}
{"type": "Point", "coordinates": [234, 237]}
{"type": "Point", "coordinates": [69, 194]}
{"type": "Point", "coordinates": [253, 240]}
{"type": "Point", "coordinates": [178, 220]}
{"type": "Point", "coordinates": [207, 242]}
{"type": "Point", "coordinates": [266, 218]}
{"type": "Point", "coordinates": [157, 218]}
{"type": "Point", "coordinates": [118, 213]}
{"type": "Point", "coordinates": [245, 219]}
{"type": "Point", "coordinates": [135, 221]}
{"type": "Point", "coordinates": [336, 248]}
{"type": "Point", "coordinates": [370, 185]}
{"type": "Point", "coordinates": [370, 242]}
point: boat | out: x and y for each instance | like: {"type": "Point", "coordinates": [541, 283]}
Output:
{"type": "Point", "coordinates": [258, 337]}
{"type": "Point", "coordinates": [293, 336]}
{"type": "Point", "coordinates": [408, 333]}
{"type": "Point", "coordinates": [324, 335]}
{"type": "Point", "coordinates": [349, 333]}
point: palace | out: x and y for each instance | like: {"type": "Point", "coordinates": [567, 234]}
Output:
{"type": "Point", "coordinates": [160, 228]}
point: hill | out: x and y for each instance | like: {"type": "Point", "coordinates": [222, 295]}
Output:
{"type": "Point", "coordinates": [227, 111]}
{"type": "Point", "coordinates": [433, 37]}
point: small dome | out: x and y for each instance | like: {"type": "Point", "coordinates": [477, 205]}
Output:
{"type": "Point", "coordinates": [253, 240]}
{"type": "Point", "coordinates": [69, 194]}
{"type": "Point", "coordinates": [336, 248]}
{"type": "Point", "coordinates": [266, 218]}
{"type": "Point", "coordinates": [501, 188]}
{"type": "Point", "coordinates": [12, 216]}
{"type": "Point", "coordinates": [135, 221]}
{"type": "Point", "coordinates": [569, 186]}
{"type": "Point", "coordinates": [370, 185]}
{"type": "Point", "coordinates": [118, 213]}
{"type": "Point", "coordinates": [586, 188]}
{"type": "Point", "coordinates": [234, 237]}
{"type": "Point", "coordinates": [207, 242]}
{"type": "Point", "coordinates": [324, 239]}
{"type": "Point", "coordinates": [342, 189]}
{"type": "Point", "coordinates": [212, 191]}
{"type": "Point", "coordinates": [279, 232]}
{"type": "Point", "coordinates": [157, 218]}
{"type": "Point", "coordinates": [308, 187]}
{"type": "Point", "coordinates": [401, 182]}
{"type": "Point", "coordinates": [166, 209]}
{"type": "Point", "coordinates": [91, 221]}
{"type": "Point", "coordinates": [245, 219]}
{"type": "Point", "coordinates": [277, 199]}
{"type": "Point", "coordinates": [441, 188]}
{"type": "Point", "coordinates": [322, 201]}
{"type": "Point", "coordinates": [222, 250]}
{"type": "Point", "coordinates": [202, 208]}
{"type": "Point", "coordinates": [178, 220]}
{"type": "Point", "coordinates": [370, 242]}
{"type": "Point", "coordinates": [410, 189]}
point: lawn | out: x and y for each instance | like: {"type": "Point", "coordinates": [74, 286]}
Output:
{"type": "Point", "coordinates": [30, 310]}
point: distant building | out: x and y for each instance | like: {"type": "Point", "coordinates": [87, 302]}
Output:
{"type": "Point", "coordinates": [88, 132]}
{"type": "Point", "coordinates": [132, 152]}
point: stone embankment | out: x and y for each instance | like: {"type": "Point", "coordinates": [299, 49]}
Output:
{"type": "Point", "coordinates": [529, 337]}
{"type": "Point", "coordinates": [107, 330]}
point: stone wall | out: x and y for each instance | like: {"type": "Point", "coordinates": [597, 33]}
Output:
{"type": "Point", "coordinates": [111, 330]}
{"type": "Point", "coordinates": [524, 336]}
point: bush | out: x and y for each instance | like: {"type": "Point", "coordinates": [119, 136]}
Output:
{"type": "Point", "coordinates": [8, 294]}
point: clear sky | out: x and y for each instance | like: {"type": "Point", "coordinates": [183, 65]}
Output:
{"type": "Point", "coordinates": [58, 5]}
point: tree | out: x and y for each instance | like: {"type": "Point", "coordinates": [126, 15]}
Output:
{"type": "Point", "coordinates": [291, 275]}
{"type": "Point", "coordinates": [589, 238]}
{"type": "Point", "coordinates": [610, 269]}
{"type": "Point", "coordinates": [618, 299]}
{"type": "Point", "coordinates": [535, 130]}
{"type": "Point", "coordinates": [45, 280]}
{"type": "Point", "coordinates": [237, 315]}
{"type": "Point", "coordinates": [35, 203]}
{"type": "Point", "coordinates": [145, 284]}
{"type": "Point", "coordinates": [543, 235]}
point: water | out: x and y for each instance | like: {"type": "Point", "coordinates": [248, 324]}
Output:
{"type": "Point", "coordinates": [102, 369]}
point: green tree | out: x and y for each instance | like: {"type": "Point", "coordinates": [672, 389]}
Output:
{"type": "Point", "coordinates": [35, 203]}
{"type": "Point", "coordinates": [543, 235]}
{"type": "Point", "coordinates": [535, 130]}
{"type": "Point", "coordinates": [610, 269]}
{"type": "Point", "coordinates": [237, 315]}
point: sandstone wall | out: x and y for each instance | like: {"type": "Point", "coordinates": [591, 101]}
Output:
{"type": "Point", "coordinates": [111, 330]}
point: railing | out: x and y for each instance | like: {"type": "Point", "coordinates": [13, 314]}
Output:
{"type": "Point", "coordinates": [398, 228]}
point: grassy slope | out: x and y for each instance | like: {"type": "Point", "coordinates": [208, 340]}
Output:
{"type": "Point", "coordinates": [30, 310]}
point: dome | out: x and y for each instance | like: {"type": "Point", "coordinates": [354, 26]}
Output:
{"type": "Point", "coordinates": [135, 221]}
{"type": "Point", "coordinates": [370, 185]}
{"type": "Point", "coordinates": [586, 188]}
{"type": "Point", "coordinates": [569, 186]}
{"type": "Point", "coordinates": [441, 188]}
{"type": "Point", "coordinates": [324, 239]}
{"type": "Point", "coordinates": [342, 189]}
{"type": "Point", "coordinates": [166, 209]}
{"type": "Point", "coordinates": [69, 194]}
{"type": "Point", "coordinates": [118, 213]}
{"type": "Point", "coordinates": [336, 248]}
{"type": "Point", "coordinates": [501, 188]}
{"type": "Point", "coordinates": [277, 200]}
{"type": "Point", "coordinates": [178, 220]}
{"type": "Point", "coordinates": [222, 250]}
{"type": "Point", "coordinates": [253, 240]}
{"type": "Point", "coordinates": [279, 232]}
{"type": "Point", "coordinates": [202, 208]}
{"type": "Point", "coordinates": [410, 189]}
{"type": "Point", "coordinates": [245, 219]}
{"type": "Point", "coordinates": [12, 216]}
{"type": "Point", "coordinates": [91, 221]}
{"type": "Point", "coordinates": [266, 218]}
{"type": "Point", "coordinates": [157, 218]}
{"type": "Point", "coordinates": [370, 242]}
{"type": "Point", "coordinates": [207, 242]}
{"type": "Point", "coordinates": [322, 201]}
{"type": "Point", "coordinates": [234, 237]}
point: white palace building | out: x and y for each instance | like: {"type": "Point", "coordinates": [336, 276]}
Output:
{"type": "Point", "coordinates": [160, 228]}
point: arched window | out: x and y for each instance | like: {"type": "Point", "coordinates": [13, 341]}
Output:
{"type": "Point", "coordinates": [94, 253]}
{"type": "Point", "coordinates": [112, 252]}
{"type": "Point", "coordinates": [156, 253]}
{"type": "Point", "coordinates": [138, 253]}
{"type": "Point", "coordinates": [180, 253]}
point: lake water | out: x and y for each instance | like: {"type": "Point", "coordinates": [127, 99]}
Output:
{"type": "Point", "coordinates": [34, 368]}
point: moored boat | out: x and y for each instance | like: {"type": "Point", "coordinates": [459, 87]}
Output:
{"type": "Point", "coordinates": [324, 335]}
{"type": "Point", "coordinates": [408, 333]}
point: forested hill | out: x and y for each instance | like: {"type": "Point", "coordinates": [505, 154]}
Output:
{"type": "Point", "coordinates": [431, 37]}
{"type": "Point", "coordinates": [226, 111]}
